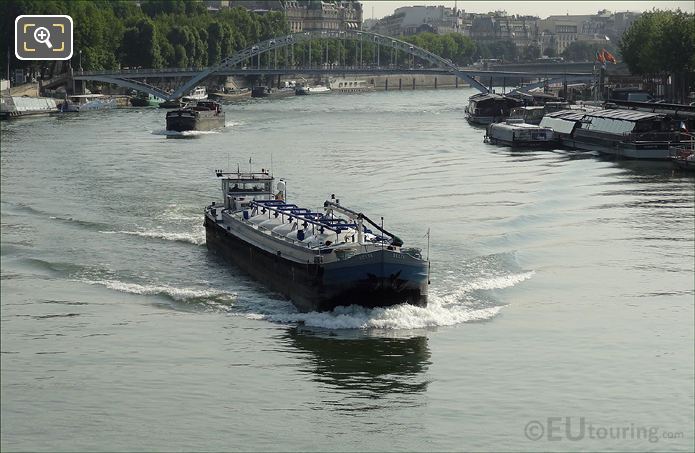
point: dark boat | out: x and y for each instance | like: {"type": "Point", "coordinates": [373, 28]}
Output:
{"type": "Point", "coordinates": [262, 91]}
{"type": "Point", "coordinates": [172, 104]}
{"type": "Point", "coordinates": [490, 108]}
{"type": "Point", "coordinates": [319, 260]}
{"type": "Point", "coordinates": [203, 116]}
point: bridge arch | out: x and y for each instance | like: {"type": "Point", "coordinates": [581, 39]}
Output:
{"type": "Point", "coordinates": [295, 38]}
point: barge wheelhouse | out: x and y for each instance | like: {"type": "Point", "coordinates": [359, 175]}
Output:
{"type": "Point", "coordinates": [319, 260]}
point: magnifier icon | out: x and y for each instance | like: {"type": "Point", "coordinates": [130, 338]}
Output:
{"type": "Point", "coordinates": [43, 36]}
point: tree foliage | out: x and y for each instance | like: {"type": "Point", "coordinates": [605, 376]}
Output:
{"type": "Point", "coordinates": [151, 34]}
{"type": "Point", "coordinates": [660, 42]}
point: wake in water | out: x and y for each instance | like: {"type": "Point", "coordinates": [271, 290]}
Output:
{"type": "Point", "coordinates": [196, 238]}
{"type": "Point", "coordinates": [184, 134]}
{"type": "Point", "coordinates": [445, 308]}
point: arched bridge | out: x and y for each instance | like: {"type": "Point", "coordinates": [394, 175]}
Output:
{"type": "Point", "coordinates": [242, 62]}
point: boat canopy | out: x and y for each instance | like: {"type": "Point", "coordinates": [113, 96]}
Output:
{"type": "Point", "coordinates": [619, 121]}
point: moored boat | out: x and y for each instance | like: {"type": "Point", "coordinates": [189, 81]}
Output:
{"type": "Point", "coordinates": [683, 157]}
{"type": "Point", "coordinates": [320, 260]}
{"type": "Point", "coordinates": [82, 102]}
{"type": "Point", "coordinates": [197, 94]}
{"type": "Point", "coordinates": [203, 116]}
{"type": "Point", "coordinates": [628, 134]}
{"type": "Point", "coordinates": [342, 85]}
{"type": "Point", "coordinates": [484, 109]}
{"type": "Point", "coordinates": [316, 89]}
{"type": "Point", "coordinates": [145, 100]}
{"type": "Point", "coordinates": [262, 91]}
{"type": "Point", "coordinates": [516, 133]}
{"type": "Point", "coordinates": [21, 106]}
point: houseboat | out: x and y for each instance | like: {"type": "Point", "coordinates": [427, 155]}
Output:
{"type": "Point", "coordinates": [516, 133]}
{"type": "Point", "coordinates": [319, 260]}
{"type": "Point", "coordinates": [628, 134]}
{"type": "Point", "coordinates": [490, 108]}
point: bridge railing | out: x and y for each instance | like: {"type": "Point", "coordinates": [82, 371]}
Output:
{"type": "Point", "coordinates": [139, 71]}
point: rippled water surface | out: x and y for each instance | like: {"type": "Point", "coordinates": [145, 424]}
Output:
{"type": "Point", "coordinates": [562, 286]}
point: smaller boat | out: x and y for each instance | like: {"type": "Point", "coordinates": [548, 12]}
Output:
{"type": "Point", "coordinates": [490, 108]}
{"type": "Point", "coordinates": [232, 94]}
{"type": "Point", "coordinates": [144, 100]}
{"type": "Point", "coordinates": [82, 102]}
{"type": "Point", "coordinates": [262, 91]}
{"type": "Point", "coordinates": [203, 116]}
{"type": "Point", "coordinates": [171, 104]}
{"type": "Point", "coordinates": [350, 86]}
{"type": "Point", "coordinates": [683, 157]}
{"type": "Point", "coordinates": [306, 90]}
{"type": "Point", "coordinates": [516, 133]}
{"type": "Point", "coordinates": [198, 94]}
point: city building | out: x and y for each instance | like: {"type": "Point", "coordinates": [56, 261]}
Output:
{"type": "Point", "coordinates": [409, 20]}
{"type": "Point", "coordinates": [310, 15]}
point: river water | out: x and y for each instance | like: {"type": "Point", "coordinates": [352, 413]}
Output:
{"type": "Point", "coordinates": [560, 315]}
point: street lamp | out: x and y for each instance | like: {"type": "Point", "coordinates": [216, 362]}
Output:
{"type": "Point", "coordinates": [80, 60]}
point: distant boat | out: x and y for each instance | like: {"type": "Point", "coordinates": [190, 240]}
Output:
{"type": "Point", "coordinates": [262, 91]}
{"type": "Point", "coordinates": [490, 108]}
{"type": "Point", "coordinates": [82, 102]}
{"type": "Point", "coordinates": [145, 100]}
{"type": "Point", "coordinates": [306, 90]}
{"type": "Point", "coordinates": [203, 116]}
{"type": "Point", "coordinates": [350, 86]}
{"type": "Point", "coordinates": [683, 157]}
{"type": "Point", "coordinates": [230, 94]}
{"type": "Point", "coordinates": [171, 104]}
{"type": "Point", "coordinates": [198, 94]}
{"type": "Point", "coordinates": [19, 106]}
{"type": "Point", "coordinates": [516, 133]}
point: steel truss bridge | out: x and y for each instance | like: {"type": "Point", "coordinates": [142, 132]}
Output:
{"type": "Point", "coordinates": [241, 63]}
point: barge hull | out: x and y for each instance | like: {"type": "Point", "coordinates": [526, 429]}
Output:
{"type": "Point", "coordinates": [376, 279]}
{"type": "Point", "coordinates": [184, 123]}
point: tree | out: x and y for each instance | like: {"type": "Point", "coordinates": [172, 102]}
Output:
{"type": "Point", "coordinates": [662, 43]}
{"type": "Point", "coordinates": [141, 46]}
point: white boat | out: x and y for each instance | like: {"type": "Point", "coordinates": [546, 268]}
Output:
{"type": "Point", "coordinates": [514, 132]}
{"type": "Point", "coordinates": [305, 90]}
{"type": "Point", "coordinates": [82, 102]}
{"type": "Point", "coordinates": [197, 94]}
{"type": "Point", "coordinates": [350, 86]}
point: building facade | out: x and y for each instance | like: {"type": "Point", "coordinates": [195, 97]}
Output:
{"type": "Point", "coordinates": [311, 15]}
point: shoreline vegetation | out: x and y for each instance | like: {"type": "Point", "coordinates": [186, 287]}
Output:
{"type": "Point", "coordinates": [113, 34]}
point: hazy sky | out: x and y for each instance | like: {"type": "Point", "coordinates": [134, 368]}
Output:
{"type": "Point", "coordinates": [535, 8]}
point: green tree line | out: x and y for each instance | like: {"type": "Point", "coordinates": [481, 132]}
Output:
{"type": "Point", "coordinates": [661, 44]}
{"type": "Point", "coordinates": [156, 33]}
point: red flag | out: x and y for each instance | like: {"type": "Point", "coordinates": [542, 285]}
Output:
{"type": "Point", "coordinates": [608, 56]}
{"type": "Point", "coordinates": [599, 56]}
